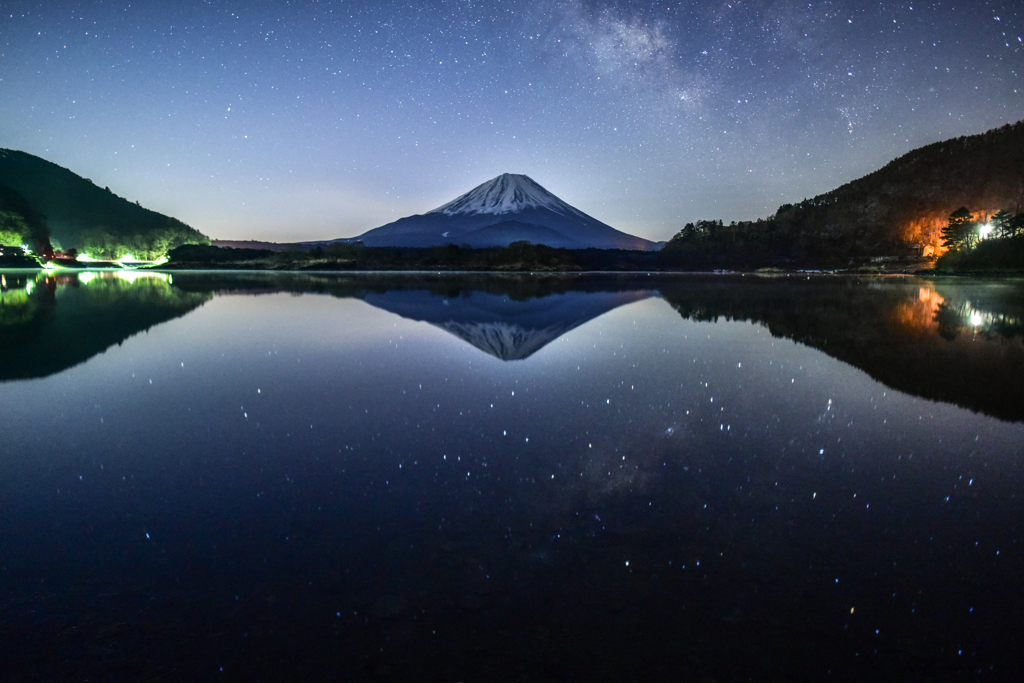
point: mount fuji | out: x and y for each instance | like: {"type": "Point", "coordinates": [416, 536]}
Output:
{"type": "Point", "coordinates": [506, 209]}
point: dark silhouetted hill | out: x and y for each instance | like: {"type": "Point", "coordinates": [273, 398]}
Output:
{"type": "Point", "coordinates": [908, 201]}
{"type": "Point", "coordinates": [88, 218]}
{"type": "Point", "coordinates": [19, 224]}
{"type": "Point", "coordinates": [899, 210]}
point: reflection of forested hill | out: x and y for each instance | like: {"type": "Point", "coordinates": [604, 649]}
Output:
{"type": "Point", "coordinates": [954, 342]}
{"type": "Point", "coordinates": [48, 325]}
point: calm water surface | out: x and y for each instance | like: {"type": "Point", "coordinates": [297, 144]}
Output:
{"type": "Point", "coordinates": [269, 476]}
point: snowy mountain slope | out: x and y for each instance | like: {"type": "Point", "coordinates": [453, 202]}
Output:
{"type": "Point", "coordinates": [503, 210]}
{"type": "Point", "coordinates": [508, 193]}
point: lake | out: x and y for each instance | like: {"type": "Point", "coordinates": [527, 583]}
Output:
{"type": "Point", "coordinates": [263, 476]}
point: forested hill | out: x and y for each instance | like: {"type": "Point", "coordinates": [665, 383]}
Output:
{"type": "Point", "coordinates": [898, 210]}
{"type": "Point", "coordinates": [19, 224]}
{"type": "Point", "coordinates": [909, 200]}
{"type": "Point", "coordinates": [88, 218]}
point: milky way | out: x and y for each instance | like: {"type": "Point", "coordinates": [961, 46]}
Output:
{"type": "Point", "coordinates": [311, 120]}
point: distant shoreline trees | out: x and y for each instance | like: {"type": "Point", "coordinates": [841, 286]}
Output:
{"type": "Point", "coordinates": [516, 257]}
{"type": "Point", "coordinates": [790, 239]}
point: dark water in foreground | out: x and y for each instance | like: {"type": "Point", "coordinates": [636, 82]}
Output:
{"type": "Point", "coordinates": [270, 477]}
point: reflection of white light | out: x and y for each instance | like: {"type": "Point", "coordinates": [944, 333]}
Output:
{"type": "Point", "coordinates": [128, 275]}
{"type": "Point", "coordinates": [86, 278]}
{"type": "Point", "coordinates": [133, 276]}
{"type": "Point", "coordinates": [984, 230]}
{"type": "Point", "coordinates": [975, 318]}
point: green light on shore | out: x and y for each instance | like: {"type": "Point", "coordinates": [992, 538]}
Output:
{"type": "Point", "coordinates": [130, 261]}
{"type": "Point", "coordinates": [126, 261]}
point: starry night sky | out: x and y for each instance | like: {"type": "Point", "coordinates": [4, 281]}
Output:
{"type": "Point", "coordinates": [316, 120]}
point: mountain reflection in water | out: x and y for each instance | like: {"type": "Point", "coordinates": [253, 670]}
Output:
{"type": "Point", "coordinates": [954, 341]}
{"type": "Point", "coordinates": [503, 327]}
{"type": "Point", "coordinates": [291, 481]}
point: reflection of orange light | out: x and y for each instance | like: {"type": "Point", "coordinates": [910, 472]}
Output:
{"type": "Point", "coordinates": [930, 296]}
{"type": "Point", "coordinates": [919, 315]}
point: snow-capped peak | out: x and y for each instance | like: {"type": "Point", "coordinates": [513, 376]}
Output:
{"type": "Point", "coordinates": [508, 193]}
